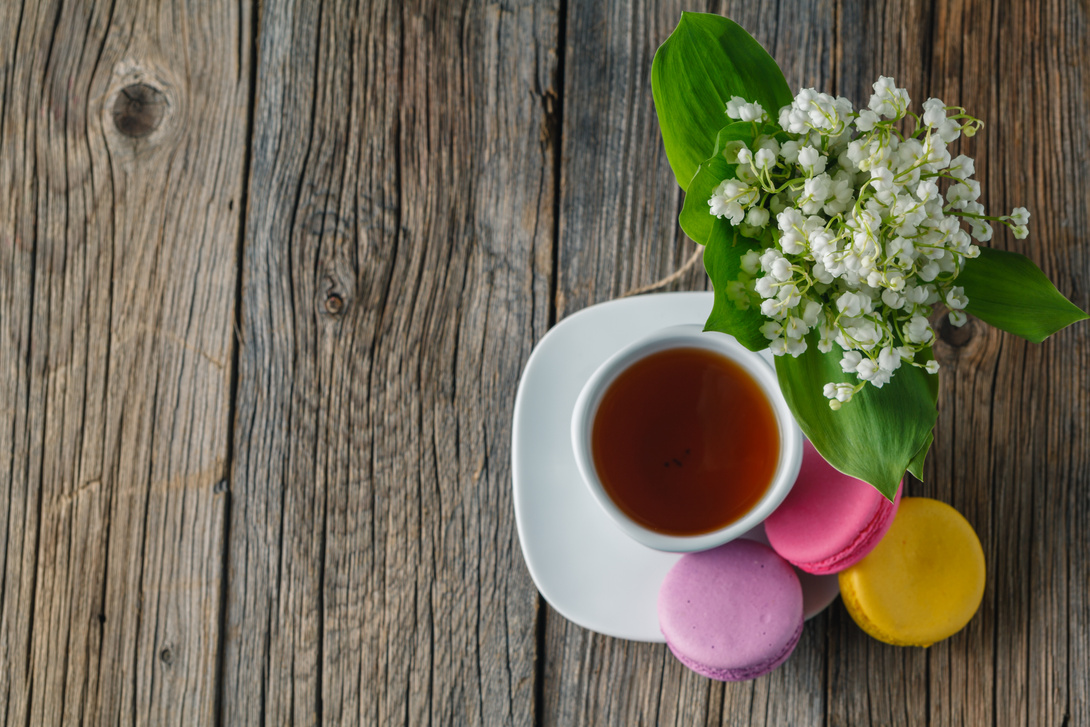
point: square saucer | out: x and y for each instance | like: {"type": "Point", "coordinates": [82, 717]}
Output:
{"type": "Point", "coordinates": [582, 563]}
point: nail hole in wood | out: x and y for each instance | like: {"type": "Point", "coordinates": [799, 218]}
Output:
{"type": "Point", "coordinates": [167, 655]}
{"type": "Point", "coordinates": [334, 304]}
{"type": "Point", "coordinates": [139, 109]}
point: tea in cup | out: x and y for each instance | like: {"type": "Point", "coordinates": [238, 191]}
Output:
{"type": "Point", "coordinates": [685, 439]}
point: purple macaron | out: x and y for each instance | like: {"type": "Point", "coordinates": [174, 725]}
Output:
{"type": "Point", "coordinates": [732, 613]}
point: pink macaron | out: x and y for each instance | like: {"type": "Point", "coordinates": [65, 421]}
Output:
{"type": "Point", "coordinates": [731, 613]}
{"type": "Point", "coordinates": [829, 521]}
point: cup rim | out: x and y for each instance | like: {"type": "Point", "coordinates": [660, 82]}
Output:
{"type": "Point", "coordinates": [687, 336]}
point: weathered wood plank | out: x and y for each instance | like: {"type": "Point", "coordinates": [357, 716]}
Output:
{"type": "Point", "coordinates": [618, 230]}
{"type": "Point", "coordinates": [122, 127]}
{"type": "Point", "coordinates": [397, 267]}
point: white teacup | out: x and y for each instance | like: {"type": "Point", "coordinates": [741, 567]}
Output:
{"type": "Point", "coordinates": [688, 336]}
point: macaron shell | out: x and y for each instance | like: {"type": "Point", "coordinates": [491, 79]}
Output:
{"type": "Point", "coordinates": [741, 674]}
{"type": "Point", "coordinates": [923, 582]}
{"type": "Point", "coordinates": [818, 591]}
{"type": "Point", "coordinates": [863, 543]}
{"type": "Point", "coordinates": [830, 520]}
{"type": "Point", "coordinates": [731, 613]}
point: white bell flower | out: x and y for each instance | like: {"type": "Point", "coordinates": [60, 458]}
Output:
{"type": "Point", "coordinates": [751, 262]}
{"type": "Point", "coordinates": [927, 190]}
{"type": "Point", "coordinates": [772, 330]}
{"type": "Point", "coordinates": [866, 120]}
{"type": "Point", "coordinates": [789, 295]}
{"type": "Point", "coordinates": [781, 270]}
{"type": "Point", "coordinates": [929, 271]}
{"type": "Point", "coordinates": [852, 304]}
{"type": "Point", "coordinates": [866, 369]}
{"type": "Point", "coordinates": [757, 216]}
{"type": "Point", "coordinates": [962, 167]}
{"type": "Point", "coordinates": [790, 152]}
{"type": "Point", "coordinates": [981, 230]}
{"type": "Point", "coordinates": [934, 112]}
{"type": "Point", "coordinates": [764, 159]}
{"type": "Point", "coordinates": [822, 274]}
{"type": "Point", "coordinates": [740, 109]}
{"type": "Point", "coordinates": [880, 378]}
{"type": "Point", "coordinates": [955, 298]}
{"type": "Point", "coordinates": [893, 299]}
{"type": "Point", "coordinates": [850, 361]}
{"type": "Point", "coordinates": [811, 313]}
{"type": "Point", "coordinates": [918, 330]}
{"type": "Point", "coordinates": [949, 130]}
{"type": "Point", "coordinates": [889, 359]}
{"type": "Point", "coordinates": [888, 100]}
{"type": "Point", "coordinates": [795, 347]}
{"type": "Point", "coordinates": [811, 161]}
{"type": "Point", "coordinates": [768, 257]}
{"type": "Point", "coordinates": [734, 107]}
{"type": "Point", "coordinates": [795, 327]}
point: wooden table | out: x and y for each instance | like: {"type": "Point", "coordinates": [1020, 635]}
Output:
{"type": "Point", "coordinates": [269, 273]}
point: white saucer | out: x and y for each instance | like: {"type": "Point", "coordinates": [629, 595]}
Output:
{"type": "Point", "coordinates": [586, 568]}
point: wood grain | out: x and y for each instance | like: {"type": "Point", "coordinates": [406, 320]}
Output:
{"type": "Point", "coordinates": [403, 197]}
{"type": "Point", "coordinates": [123, 134]}
{"type": "Point", "coordinates": [397, 266]}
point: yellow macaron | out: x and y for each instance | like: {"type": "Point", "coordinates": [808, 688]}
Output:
{"type": "Point", "coordinates": [924, 580]}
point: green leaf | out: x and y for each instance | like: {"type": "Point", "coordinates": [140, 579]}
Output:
{"type": "Point", "coordinates": [916, 465]}
{"type": "Point", "coordinates": [737, 131]}
{"type": "Point", "coordinates": [723, 260]}
{"type": "Point", "coordinates": [1010, 292]}
{"type": "Point", "coordinates": [874, 437]}
{"type": "Point", "coordinates": [705, 61]}
{"type": "Point", "coordinates": [696, 218]}
{"type": "Point", "coordinates": [723, 246]}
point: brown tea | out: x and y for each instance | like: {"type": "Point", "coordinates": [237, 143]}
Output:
{"type": "Point", "coordinates": [685, 442]}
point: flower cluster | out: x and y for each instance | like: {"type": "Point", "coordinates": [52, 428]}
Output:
{"type": "Point", "coordinates": [862, 226]}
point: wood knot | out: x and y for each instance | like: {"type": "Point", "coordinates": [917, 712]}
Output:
{"type": "Point", "coordinates": [167, 655]}
{"type": "Point", "coordinates": [954, 336]}
{"type": "Point", "coordinates": [139, 109]}
{"type": "Point", "coordinates": [334, 304]}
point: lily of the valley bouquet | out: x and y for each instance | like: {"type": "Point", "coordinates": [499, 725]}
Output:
{"type": "Point", "coordinates": [831, 233]}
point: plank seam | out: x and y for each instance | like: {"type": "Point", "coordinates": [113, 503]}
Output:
{"type": "Point", "coordinates": [219, 686]}
{"type": "Point", "coordinates": [556, 124]}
